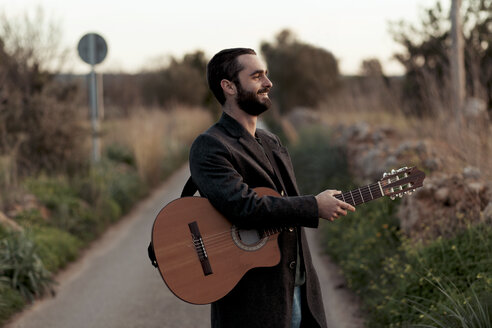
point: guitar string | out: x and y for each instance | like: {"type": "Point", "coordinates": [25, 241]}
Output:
{"type": "Point", "coordinates": [222, 239]}
{"type": "Point", "coordinates": [213, 237]}
{"type": "Point", "coordinates": [355, 195]}
{"type": "Point", "coordinates": [367, 195]}
{"type": "Point", "coordinates": [225, 235]}
{"type": "Point", "coordinates": [193, 259]}
{"type": "Point", "coordinates": [358, 198]}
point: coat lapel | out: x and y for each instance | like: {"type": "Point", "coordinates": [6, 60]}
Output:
{"type": "Point", "coordinates": [249, 143]}
{"type": "Point", "coordinates": [284, 163]}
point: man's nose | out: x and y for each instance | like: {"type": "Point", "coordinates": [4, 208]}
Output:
{"type": "Point", "coordinates": [267, 83]}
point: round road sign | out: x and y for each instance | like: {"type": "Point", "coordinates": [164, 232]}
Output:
{"type": "Point", "coordinates": [92, 48]}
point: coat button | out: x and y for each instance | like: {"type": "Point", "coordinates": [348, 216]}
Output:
{"type": "Point", "coordinates": [292, 265]}
{"type": "Point", "coordinates": [291, 229]}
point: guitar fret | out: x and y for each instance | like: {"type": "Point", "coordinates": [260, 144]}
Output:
{"type": "Point", "coordinates": [352, 197]}
{"type": "Point", "coordinates": [361, 196]}
{"type": "Point", "coordinates": [369, 187]}
{"type": "Point", "coordinates": [381, 188]}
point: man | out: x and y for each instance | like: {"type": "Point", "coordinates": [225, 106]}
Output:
{"type": "Point", "coordinates": [227, 162]}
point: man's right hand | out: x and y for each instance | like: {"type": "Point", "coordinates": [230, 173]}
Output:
{"type": "Point", "coordinates": [330, 208]}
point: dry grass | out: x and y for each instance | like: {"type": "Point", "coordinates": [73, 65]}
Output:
{"type": "Point", "coordinates": [459, 142]}
{"type": "Point", "coordinates": [154, 136]}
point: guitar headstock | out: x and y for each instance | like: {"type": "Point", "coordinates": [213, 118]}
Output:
{"type": "Point", "coordinates": [401, 182]}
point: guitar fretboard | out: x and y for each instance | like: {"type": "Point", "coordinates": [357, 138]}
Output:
{"type": "Point", "coordinates": [354, 197]}
{"type": "Point", "coordinates": [361, 195]}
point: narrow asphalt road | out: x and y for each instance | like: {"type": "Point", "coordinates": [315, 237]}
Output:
{"type": "Point", "coordinates": [114, 284]}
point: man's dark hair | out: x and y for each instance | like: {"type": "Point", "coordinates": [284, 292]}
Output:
{"type": "Point", "coordinates": [224, 65]}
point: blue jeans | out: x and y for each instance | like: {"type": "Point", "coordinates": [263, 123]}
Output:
{"type": "Point", "coordinates": [296, 308]}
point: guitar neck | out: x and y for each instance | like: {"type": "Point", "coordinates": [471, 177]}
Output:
{"type": "Point", "coordinates": [361, 195]}
{"type": "Point", "coordinates": [354, 197]}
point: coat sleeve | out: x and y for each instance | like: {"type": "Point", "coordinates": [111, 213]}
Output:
{"type": "Point", "coordinates": [212, 169]}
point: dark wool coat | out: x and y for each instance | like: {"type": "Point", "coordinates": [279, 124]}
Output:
{"type": "Point", "coordinates": [226, 162]}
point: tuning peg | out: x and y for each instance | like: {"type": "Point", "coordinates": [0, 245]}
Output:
{"type": "Point", "coordinates": [392, 197]}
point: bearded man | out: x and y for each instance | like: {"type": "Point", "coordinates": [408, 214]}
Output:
{"type": "Point", "coordinates": [227, 162]}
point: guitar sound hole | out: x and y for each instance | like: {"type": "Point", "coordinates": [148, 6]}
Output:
{"type": "Point", "coordinates": [248, 240]}
{"type": "Point", "coordinates": [249, 237]}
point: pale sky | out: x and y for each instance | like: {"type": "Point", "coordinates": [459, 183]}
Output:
{"type": "Point", "coordinates": [139, 32]}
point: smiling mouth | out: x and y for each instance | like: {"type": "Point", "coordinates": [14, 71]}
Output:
{"type": "Point", "coordinates": [263, 92]}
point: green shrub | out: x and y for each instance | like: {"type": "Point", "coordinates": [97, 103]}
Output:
{"type": "Point", "coordinates": [319, 164]}
{"type": "Point", "coordinates": [69, 212]}
{"type": "Point", "coordinates": [21, 265]}
{"type": "Point", "coordinates": [10, 302]}
{"type": "Point", "coordinates": [459, 309]}
{"type": "Point", "coordinates": [126, 188]}
{"type": "Point", "coordinates": [30, 218]}
{"type": "Point", "coordinates": [55, 248]}
{"type": "Point", "coordinates": [398, 281]}
{"type": "Point", "coordinates": [120, 154]}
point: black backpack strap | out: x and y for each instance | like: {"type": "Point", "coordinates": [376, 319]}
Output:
{"type": "Point", "coordinates": [150, 251]}
{"type": "Point", "coordinates": [189, 189]}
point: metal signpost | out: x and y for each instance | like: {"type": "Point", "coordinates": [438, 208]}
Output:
{"type": "Point", "coordinates": [93, 49]}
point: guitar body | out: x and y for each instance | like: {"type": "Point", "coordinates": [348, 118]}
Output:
{"type": "Point", "coordinates": [201, 256]}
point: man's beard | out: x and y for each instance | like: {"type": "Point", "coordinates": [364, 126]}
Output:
{"type": "Point", "coordinates": [249, 102]}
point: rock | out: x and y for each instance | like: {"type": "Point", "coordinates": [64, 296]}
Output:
{"type": "Point", "coordinates": [432, 164]}
{"type": "Point", "coordinates": [471, 172]}
{"type": "Point", "coordinates": [442, 195]}
{"type": "Point", "coordinates": [391, 162]}
{"type": "Point", "coordinates": [476, 187]}
{"type": "Point", "coordinates": [475, 109]}
{"type": "Point", "coordinates": [302, 116]}
{"type": "Point", "coordinates": [403, 148]}
{"type": "Point", "coordinates": [371, 164]}
{"type": "Point", "coordinates": [5, 221]}
{"type": "Point", "coordinates": [421, 148]}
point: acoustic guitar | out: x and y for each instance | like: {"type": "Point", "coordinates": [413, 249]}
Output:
{"type": "Point", "coordinates": [201, 256]}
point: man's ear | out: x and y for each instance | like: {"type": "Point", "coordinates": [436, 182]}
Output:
{"type": "Point", "coordinates": [228, 87]}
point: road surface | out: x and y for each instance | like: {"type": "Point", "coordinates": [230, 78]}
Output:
{"type": "Point", "coordinates": [114, 284]}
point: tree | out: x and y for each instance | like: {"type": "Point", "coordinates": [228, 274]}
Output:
{"type": "Point", "coordinates": [302, 74]}
{"type": "Point", "coordinates": [39, 121]}
{"type": "Point", "coordinates": [182, 81]}
{"type": "Point", "coordinates": [426, 55]}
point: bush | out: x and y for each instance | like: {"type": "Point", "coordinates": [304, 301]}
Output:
{"type": "Point", "coordinates": [68, 212]}
{"type": "Point", "coordinates": [10, 302]}
{"type": "Point", "coordinates": [400, 283]}
{"type": "Point", "coordinates": [318, 163]}
{"type": "Point", "coordinates": [23, 268]}
{"type": "Point", "coordinates": [120, 154]}
{"type": "Point", "coordinates": [55, 248]}
{"type": "Point", "coordinates": [43, 130]}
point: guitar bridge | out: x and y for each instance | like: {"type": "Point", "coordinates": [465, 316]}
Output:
{"type": "Point", "coordinates": [200, 249]}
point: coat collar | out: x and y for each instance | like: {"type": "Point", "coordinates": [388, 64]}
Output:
{"type": "Point", "coordinates": [235, 129]}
